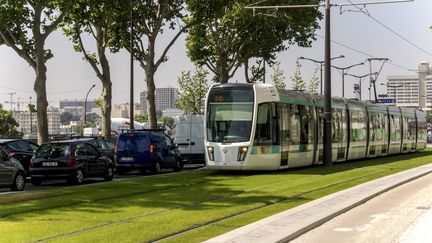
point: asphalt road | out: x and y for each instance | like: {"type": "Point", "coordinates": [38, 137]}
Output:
{"type": "Point", "coordinates": [62, 183]}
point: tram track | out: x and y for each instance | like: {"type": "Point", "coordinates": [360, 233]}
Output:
{"type": "Point", "coordinates": [211, 222]}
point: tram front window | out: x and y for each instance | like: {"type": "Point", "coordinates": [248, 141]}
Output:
{"type": "Point", "coordinates": [229, 122]}
{"type": "Point", "coordinates": [229, 115]}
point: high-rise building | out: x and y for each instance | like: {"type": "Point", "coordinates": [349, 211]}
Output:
{"type": "Point", "coordinates": [412, 90]}
{"type": "Point", "coordinates": [90, 104]}
{"type": "Point", "coordinates": [165, 98]}
{"type": "Point", "coordinates": [123, 110]}
{"type": "Point", "coordinates": [28, 121]}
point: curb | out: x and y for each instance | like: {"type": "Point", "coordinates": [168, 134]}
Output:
{"type": "Point", "coordinates": [290, 224]}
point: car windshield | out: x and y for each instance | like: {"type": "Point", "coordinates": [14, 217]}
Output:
{"type": "Point", "coordinates": [229, 115]}
{"type": "Point", "coordinates": [53, 150]}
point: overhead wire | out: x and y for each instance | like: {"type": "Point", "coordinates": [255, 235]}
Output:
{"type": "Point", "coordinates": [391, 30]}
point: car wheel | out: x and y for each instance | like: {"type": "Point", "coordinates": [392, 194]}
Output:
{"type": "Point", "coordinates": [36, 182]}
{"type": "Point", "coordinates": [78, 177]}
{"type": "Point", "coordinates": [109, 174]}
{"type": "Point", "coordinates": [178, 166]}
{"type": "Point", "coordinates": [19, 182]}
{"type": "Point", "coordinates": [156, 167]}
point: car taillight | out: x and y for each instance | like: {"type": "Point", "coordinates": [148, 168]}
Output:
{"type": "Point", "coordinates": [71, 161]}
{"type": "Point", "coordinates": [115, 150]}
{"type": "Point", "coordinates": [152, 150]}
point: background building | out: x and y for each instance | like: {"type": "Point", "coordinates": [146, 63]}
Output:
{"type": "Point", "coordinates": [165, 98]}
{"type": "Point", "coordinates": [412, 90]}
{"type": "Point", "coordinates": [28, 121]}
{"type": "Point", "coordinates": [70, 104]}
{"type": "Point", "coordinates": [123, 110]}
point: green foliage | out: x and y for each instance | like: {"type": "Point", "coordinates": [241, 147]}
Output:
{"type": "Point", "coordinates": [314, 83]}
{"type": "Point", "coordinates": [32, 108]}
{"type": "Point", "coordinates": [298, 83]}
{"type": "Point", "coordinates": [8, 125]}
{"type": "Point", "coordinates": [224, 34]}
{"type": "Point", "coordinates": [278, 76]}
{"type": "Point", "coordinates": [192, 90]}
{"type": "Point", "coordinates": [66, 117]}
{"type": "Point", "coordinates": [91, 119]}
{"type": "Point", "coordinates": [159, 114]}
{"type": "Point", "coordinates": [141, 118]}
{"type": "Point", "coordinates": [167, 120]}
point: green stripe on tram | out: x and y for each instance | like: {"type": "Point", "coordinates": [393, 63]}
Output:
{"type": "Point", "coordinates": [266, 149]}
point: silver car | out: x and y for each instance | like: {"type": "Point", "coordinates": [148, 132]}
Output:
{"type": "Point", "coordinates": [12, 174]}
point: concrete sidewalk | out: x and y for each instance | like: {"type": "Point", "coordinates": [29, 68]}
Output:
{"type": "Point", "coordinates": [287, 225]}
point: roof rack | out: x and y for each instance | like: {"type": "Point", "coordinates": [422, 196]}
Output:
{"type": "Point", "coordinates": [141, 130]}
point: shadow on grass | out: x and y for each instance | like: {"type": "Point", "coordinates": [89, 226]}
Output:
{"type": "Point", "coordinates": [197, 192]}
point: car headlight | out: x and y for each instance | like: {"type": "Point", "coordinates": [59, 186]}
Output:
{"type": "Point", "coordinates": [210, 152]}
{"type": "Point", "coordinates": [242, 153]}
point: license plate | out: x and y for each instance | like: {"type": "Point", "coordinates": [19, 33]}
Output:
{"type": "Point", "coordinates": [49, 164]}
{"type": "Point", "coordinates": [127, 159]}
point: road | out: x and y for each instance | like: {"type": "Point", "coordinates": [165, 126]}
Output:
{"type": "Point", "coordinates": [62, 183]}
{"type": "Point", "coordinates": [403, 214]}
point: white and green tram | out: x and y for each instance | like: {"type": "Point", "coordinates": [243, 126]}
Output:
{"type": "Point", "coordinates": [259, 127]}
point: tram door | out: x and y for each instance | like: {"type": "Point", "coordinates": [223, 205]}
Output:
{"type": "Point", "coordinates": [297, 135]}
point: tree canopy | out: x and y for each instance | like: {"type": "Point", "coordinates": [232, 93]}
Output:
{"type": "Point", "coordinates": [225, 35]}
{"type": "Point", "coordinates": [8, 125]}
{"type": "Point", "coordinates": [192, 90]}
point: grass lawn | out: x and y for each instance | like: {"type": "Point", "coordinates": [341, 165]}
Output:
{"type": "Point", "coordinates": [182, 207]}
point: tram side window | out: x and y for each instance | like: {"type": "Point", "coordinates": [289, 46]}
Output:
{"type": "Point", "coordinates": [305, 114]}
{"type": "Point", "coordinates": [285, 124]}
{"type": "Point", "coordinates": [395, 128]}
{"type": "Point", "coordinates": [267, 125]}
{"type": "Point", "coordinates": [337, 126]}
{"type": "Point", "coordinates": [295, 124]}
{"type": "Point", "coordinates": [358, 130]}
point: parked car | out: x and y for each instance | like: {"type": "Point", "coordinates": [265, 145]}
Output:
{"type": "Point", "coordinates": [20, 149]}
{"type": "Point", "coordinates": [146, 149]}
{"type": "Point", "coordinates": [101, 144]}
{"type": "Point", "coordinates": [12, 173]}
{"type": "Point", "coordinates": [72, 160]}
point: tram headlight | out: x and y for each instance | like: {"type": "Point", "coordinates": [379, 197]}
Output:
{"type": "Point", "coordinates": [242, 153]}
{"type": "Point", "coordinates": [210, 152]}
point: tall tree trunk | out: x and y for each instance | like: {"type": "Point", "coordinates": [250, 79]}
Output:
{"type": "Point", "coordinates": [106, 87]}
{"type": "Point", "coordinates": [222, 70]}
{"type": "Point", "coordinates": [40, 89]}
{"type": "Point", "coordinates": [151, 97]}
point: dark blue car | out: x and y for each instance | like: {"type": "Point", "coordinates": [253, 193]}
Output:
{"type": "Point", "coordinates": [146, 150]}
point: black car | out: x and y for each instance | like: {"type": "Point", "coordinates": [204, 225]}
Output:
{"type": "Point", "coordinates": [72, 160]}
{"type": "Point", "coordinates": [20, 149]}
{"type": "Point", "coordinates": [101, 144]}
{"type": "Point", "coordinates": [146, 150]}
{"type": "Point", "coordinates": [12, 173]}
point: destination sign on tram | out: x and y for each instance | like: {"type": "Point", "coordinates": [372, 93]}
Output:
{"type": "Point", "coordinates": [386, 101]}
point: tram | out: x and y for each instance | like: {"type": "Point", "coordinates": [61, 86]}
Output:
{"type": "Point", "coordinates": [259, 127]}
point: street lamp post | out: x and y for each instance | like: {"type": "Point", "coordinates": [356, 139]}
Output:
{"type": "Point", "coordinates": [85, 104]}
{"type": "Point", "coordinates": [343, 75]}
{"type": "Point", "coordinates": [321, 63]}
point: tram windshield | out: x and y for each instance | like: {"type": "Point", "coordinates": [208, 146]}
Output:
{"type": "Point", "coordinates": [229, 115]}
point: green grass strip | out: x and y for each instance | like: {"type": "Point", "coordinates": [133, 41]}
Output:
{"type": "Point", "coordinates": [181, 207]}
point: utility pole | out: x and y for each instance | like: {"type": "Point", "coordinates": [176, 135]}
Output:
{"type": "Point", "coordinates": [343, 75]}
{"type": "Point", "coordinates": [372, 79]}
{"type": "Point", "coordinates": [327, 156]}
{"type": "Point", "coordinates": [131, 108]}
{"type": "Point", "coordinates": [358, 87]}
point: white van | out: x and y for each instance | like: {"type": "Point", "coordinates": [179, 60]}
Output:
{"type": "Point", "coordinates": [188, 134]}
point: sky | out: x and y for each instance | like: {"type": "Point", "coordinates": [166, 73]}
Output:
{"type": "Point", "coordinates": [398, 31]}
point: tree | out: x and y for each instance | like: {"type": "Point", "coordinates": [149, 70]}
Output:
{"type": "Point", "coordinates": [92, 118]}
{"type": "Point", "coordinates": [192, 90]}
{"type": "Point", "coordinates": [8, 125]}
{"type": "Point", "coordinates": [66, 117]}
{"type": "Point", "coordinates": [298, 83]}
{"type": "Point", "coordinates": [167, 120]}
{"type": "Point", "coordinates": [314, 83]}
{"type": "Point", "coordinates": [101, 20]}
{"type": "Point", "coordinates": [225, 35]}
{"type": "Point", "coordinates": [141, 118]}
{"type": "Point", "coordinates": [24, 26]}
{"type": "Point", "coordinates": [152, 19]}
{"type": "Point", "coordinates": [278, 77]}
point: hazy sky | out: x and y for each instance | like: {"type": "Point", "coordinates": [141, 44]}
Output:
{"type": "Point", "coordinates": [354, 34]}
